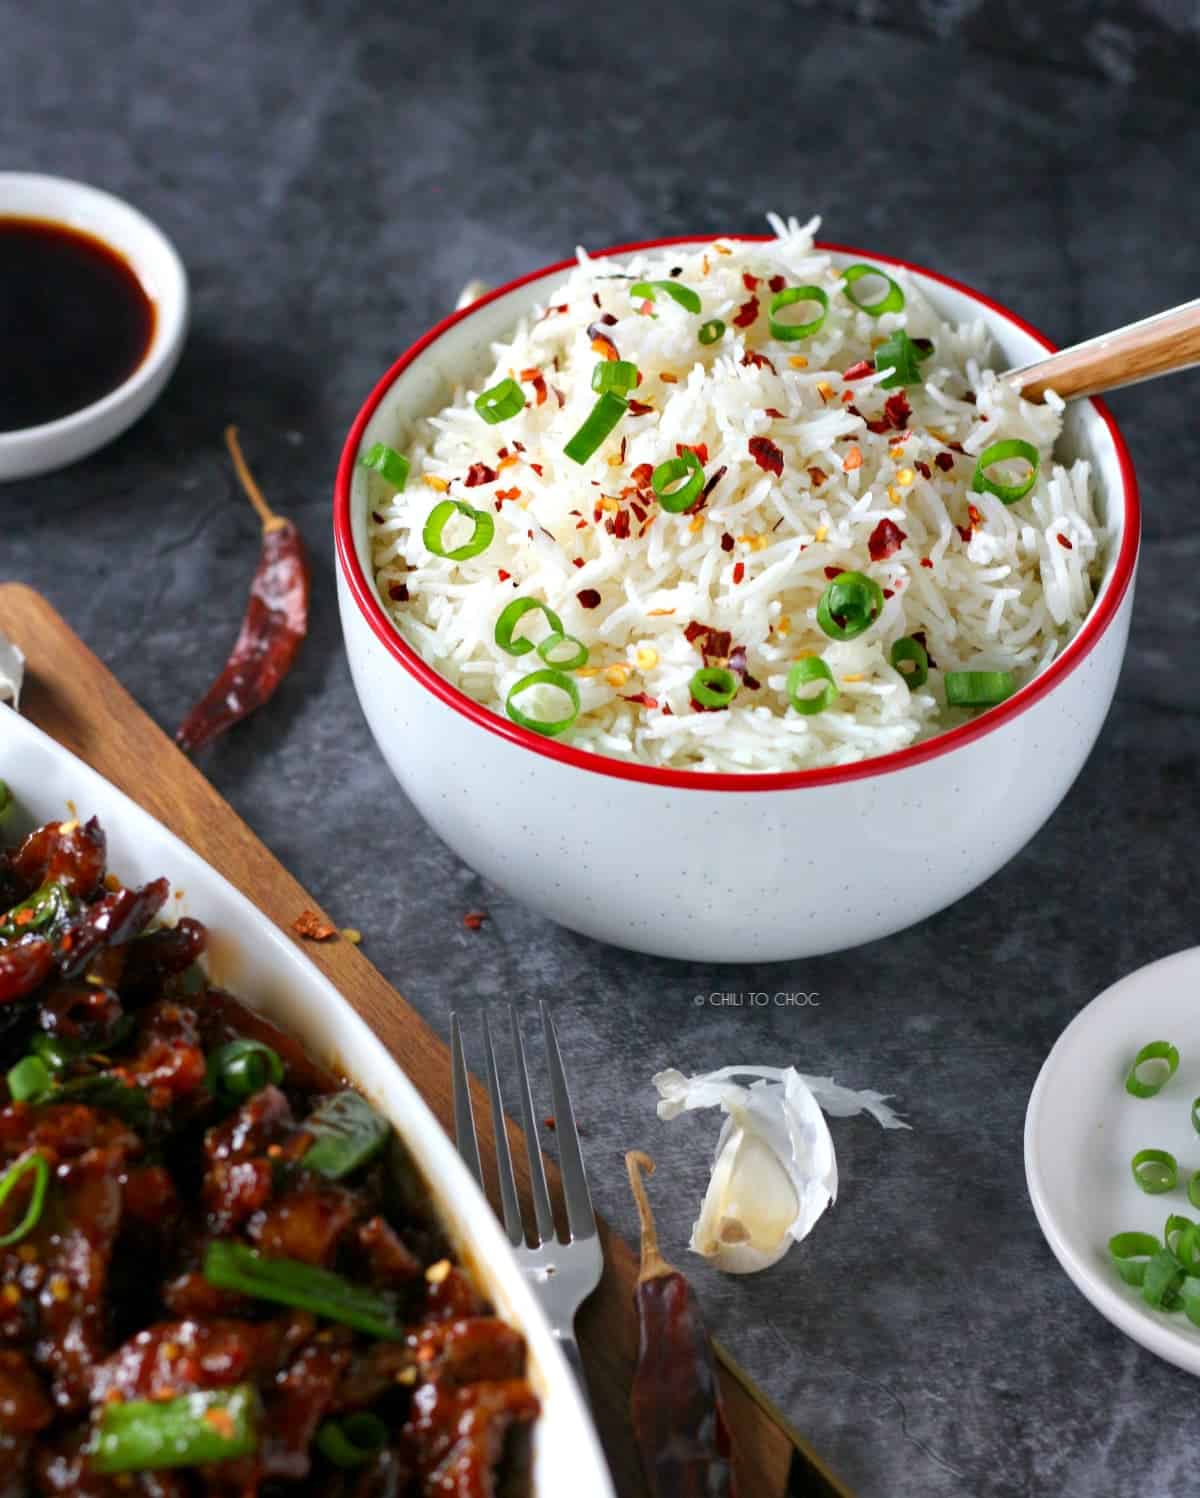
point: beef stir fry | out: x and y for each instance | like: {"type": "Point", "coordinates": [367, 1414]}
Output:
{"type": "Point", "coordinates": [211, 1280]}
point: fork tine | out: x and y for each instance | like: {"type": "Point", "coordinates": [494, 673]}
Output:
{"type": "Point", "coordinates": [581, 1218]}
{"type": "Point", "coordinates": [513, 1224]}
{"type": "Point", "coordinates": [464, 1120]}
{"type": "Point", "coordinates": [537, 1171]}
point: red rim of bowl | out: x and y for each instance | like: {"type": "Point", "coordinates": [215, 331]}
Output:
{"type": "Point", "coordinates": [1101, 616]}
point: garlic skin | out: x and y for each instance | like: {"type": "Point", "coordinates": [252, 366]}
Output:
{"type": "Point", "coordinates": [775, 1170]}
{"type": "Point", "coordinates": [12, 672]}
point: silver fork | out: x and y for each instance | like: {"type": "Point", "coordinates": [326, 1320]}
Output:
{"type": "Point", "coordinates": [563, 1272]}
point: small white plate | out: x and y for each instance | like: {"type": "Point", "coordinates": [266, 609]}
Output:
{"type": "Point", "coordinates": [1082, 1129]}
{"type": "Point", "coordinates": [154, 260]}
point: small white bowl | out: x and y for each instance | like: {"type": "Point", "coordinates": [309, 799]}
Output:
{"type": "Point", "coordinates": [152, 257]}
{"type": "Point", "coordinates": [720, 867]}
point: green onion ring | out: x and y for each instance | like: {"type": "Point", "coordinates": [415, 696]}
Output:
{"type": "Point", "coordinates": [552, 642]}
{"type": "Point", "coordinates": [1186, 1247]}
{"type": "Point", "coordinates": [908, 649]}
{"type": "Point", "coordinates": [500, 402]}
{"type": "Point", "coordinates": [240, 1069]}
{"type": "Point", "coordinates": [854, 599]}
{"type": "Point", "coordinates": [601, 420]}
{"type": "Point", "coordinates": [550, 677]}
{"type": "Point", "coordinates": [510, 617]}
{"type": "Point", "coordinates": [712, 331]}
{"type": "Point", "coordinates": [1157, 1050]}
{"type": "Point", "coordinates": [713, 686]}
{"type": "Point", "coordinates": [789, 332]}
{"type": "Point", "coordinates": [811, 668]}
{"type": "Point", "coordinates": [1131, 1252]}
{"type": "Point", "coordinates": [36, 1163]}
{"type": "Point", "coordinates": [1195, 1111]}
{"type": "Point", "coordinates": [1155, 1171]}
{"type": "Point", "coordinates": [387, 461]}
{"type": "Point", "coordinates": [644, 291]}
{"type": "Point", "coordinates": [893, 300]}
{"type": "Point", "coordinates": [441, 514]}
{"type": "Point", "coordinates": [353, 1440]}
{"type": "Point", "coordinates": [1193, 1189]}
{"type": "Point", "coordinates": [1190, 1295]}
{"type": "Point", "coordinates": [684, 495]}
{"type": "Point", "coordinates": [999, 452]}
{"type": "Point", "coordinates": [614, 374]}
{"type": "Point", "coordinates": [29, 1081]}
{"type": "Point", "coordinates": [978, 688]}
{"type": "Point", "coordinates": [1161, 1282]}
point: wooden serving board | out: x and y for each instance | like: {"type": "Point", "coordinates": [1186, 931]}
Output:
{"type": "Point", "coordinates": [75, 699]}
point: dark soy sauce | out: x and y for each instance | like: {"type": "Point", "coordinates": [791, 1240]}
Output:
{"type": "Point", "coordinates": [75, 321]}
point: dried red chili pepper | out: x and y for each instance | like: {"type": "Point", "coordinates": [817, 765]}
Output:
{"type": "Point", "coordinates": [678, 1418]}
{"type": "Point", "coordinates": [275, 622]}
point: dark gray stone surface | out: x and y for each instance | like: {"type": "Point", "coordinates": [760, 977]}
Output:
{"type": "Point", "coordinates": [332, 174]}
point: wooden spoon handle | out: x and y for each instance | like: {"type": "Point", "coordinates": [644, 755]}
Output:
{"type": "Point", "coordinates": [1158, 345]}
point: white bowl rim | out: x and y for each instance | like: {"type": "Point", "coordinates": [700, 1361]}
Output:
{"type": "Point", "coordinates": [170, 306]}
{"type": "Point", "coordinates": [1102, 614]}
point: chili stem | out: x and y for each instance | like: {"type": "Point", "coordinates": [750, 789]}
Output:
{"type": "Point", "coordinates": [653, 1266]}
{"type": "Point", "coordinates": [270, 521]}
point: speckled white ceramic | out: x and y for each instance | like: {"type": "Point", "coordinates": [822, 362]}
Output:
{"type": "Point", "coordinates": [725, 868]}
{"type": "Point", "coordinates": [265, 967]}
{"type": "Point", "coordinates": [152, 256]}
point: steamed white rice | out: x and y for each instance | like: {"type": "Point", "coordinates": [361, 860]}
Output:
{"type": "Point", "coordinates": [996, 588]}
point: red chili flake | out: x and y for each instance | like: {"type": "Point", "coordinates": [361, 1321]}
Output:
{"type": "Point", "coordinates": [713, 644]}
{"type": "Point", "coordinates": [923, 469]}
{"type": "Point", "coordinates": [398, 592]}
{"type": "Point", "coordinates": [596, 329]}
{"type": "Point", "coordinates": [502, 575]}
{"type": "Point", "coordinates": [699, 448]}
{"type": "Point", "coordinates": [832, 572]}
{"type": "Point", "coordinates": [879, 427]}
{"type": "Point", "coordinates": [889, 593]}
{"type": "Point", "coordinates": [621, 524]}
{"type": "Point", "coordinates": [746, 313]}
{"type": "Point", "coordinates": [945, 461]}
{"type": "Point", "coordinates": [976, 517]}
{"type": "Point", "coordinates": [642, 475]}
{"type": "Point", "coordinates": [639, 408]}
{"type": "Point", "coordinates": [537, 468]}
{"type": "Point", "coordinates": [503, 494]}
{"type": "Point", "coordinates": [969, 397]}
{"type": "Point", "coordinates": [955, 447]}
{"type": "Point", "coordinates": [885, 540]}
{"type": "Point", "coordinates": [643, 699]}
{"type": "Point", "coordinates": [603, 345]}
{"type": "Point", "coordinates": [854, 411]}
{"type": "Point", "coordinates": [737, 663]}
{"type": "Point", "coordinates": [777, 283]}
{"type": "Point", "coordinates": [726, 541]}
{"type": "Point", "coordinates": [965, 532]}
{"type": "Point", "coordinates": [1064, 541]}
{"type": "Point", "coordinates": [518, 447]}
{"type": "Point", "coordinates": [638, 511]}
{"type": "Point", "coordinates": [647, 308]}
{"type": "Point", "coordinates": [581, 525]}
{"type": "Point", "coordinates": [765, 453]}
{"type": "Point", "coordinates": [474, 919]}
{"type": "Point", "coordinates": [739, 571]}
{"type": "Point", "coordinates": [693, 631]}
{"type": "Point", "coordinates": [897, 409]}
{"type": "Point", "coordinates": [537, 379]}
{"type": "Point", "coordinates": [859, 371]}
{"type": "Point", "coordinates": [925, 562]}
{"type": "Point", "coordinates": [817, 476]}
{"type": "Point", "coordinates": [596, 514]}
{"type": "Point", "coordinates": [667, 713]}
{"type": "Point", "coordinates": [919, 636]}
{"type": "Point", "coordinates": [479, 473]}
{"type": "Point", "coordinates": [549, 1122]}
{"type": "Point", "coordinates": [707, 490]}
{"type": "Point", "coordinates": [577, 562]}
{"type": "Point", "coordinates": [755, 360]}
{"type": "Point", "coordinates": [589, 598]}
{"type": "Point", "coordinates": [313, 927]}
{"type": "Point", "coordinates": [559, 397]}
{"type": "Point", "coordinates": [774, 413]}
{"type": "Point", "coordinates": [749, 282]}
{"type": "Point", "coordinates": [502, 453]}
{"type": "Point", "coordinates": [624, 444]}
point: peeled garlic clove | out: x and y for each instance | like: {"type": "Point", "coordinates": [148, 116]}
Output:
{"type": "Point", "coordinates": [749, 1206]}
{"type": "Point", "coordinates": [12, 671]}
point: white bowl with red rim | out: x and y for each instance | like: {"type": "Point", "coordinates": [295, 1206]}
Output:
{"type": "Point", "coordinates": [725, 867]}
